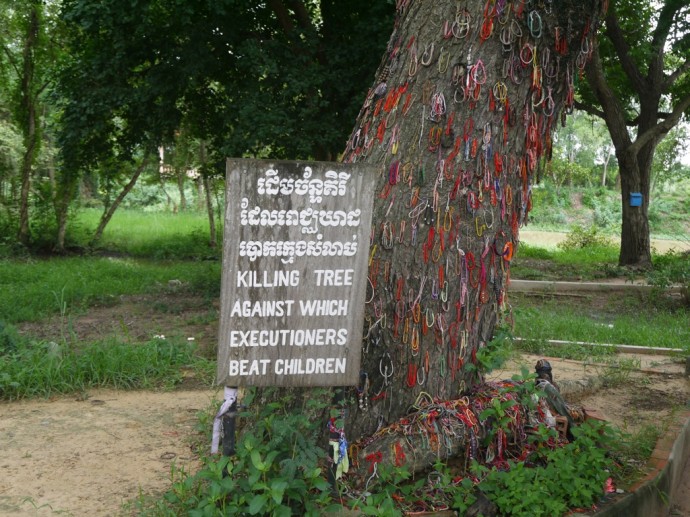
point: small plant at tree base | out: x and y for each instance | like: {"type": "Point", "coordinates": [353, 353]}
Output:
{"type": "Point", "coordinates": [573, 476]}
{"type": "Point", "coordinates": [493, 354]}
{"type": "Point", "coordinates": [276, 469]}
{"type": "Point", "coordinates": [670, 269]}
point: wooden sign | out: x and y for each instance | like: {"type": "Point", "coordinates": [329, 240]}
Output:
{"type": "Point", "coordinates": [295, 252]}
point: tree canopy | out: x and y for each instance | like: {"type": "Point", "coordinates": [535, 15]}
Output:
{"type": "Point", "coordinates": [283, 77]}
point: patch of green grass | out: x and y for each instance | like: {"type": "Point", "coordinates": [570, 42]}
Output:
{"type": "Point", "coordinates": [535, 252]}
{"type": "Point", "coordinates": [34, 289]}
{"type": "Point", "coordinates": [558, 320]}
{"type": "Point", "coordinates": [42, 369]}
{"type": "Point", "coordinates": [632, 452]}
{"type": "Point", "coordinates": [575, 352]}
{"type": "Point", "coordinates": [156, 235]}
{"type": "Point", "coordinates": [585, 264]}
{"type": "Point", "coordinates": [590, 255]}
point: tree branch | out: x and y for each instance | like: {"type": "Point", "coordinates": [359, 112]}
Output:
{"type": "Point", "coordinates": [613, 112]}
{"type": "Point", "coordinates": [659, 37]}
{"type": "Point", "coordinates": [593, 110]}
{"type": "Point", "coordinates": [615, 34]}
{"type": "Point", "coordinates": [11, 59]}
{"type": "Point", "coordinates": [660, 129]}
{"type": "Point", "coordinates": [673, 76]}
{"type": "Point", "coordinates": [588, 108]}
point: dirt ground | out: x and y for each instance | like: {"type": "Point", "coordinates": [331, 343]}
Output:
{"type": "Point", "coordinates": [89, 454]}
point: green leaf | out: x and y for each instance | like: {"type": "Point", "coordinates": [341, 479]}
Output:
{"type": "Point", "coordinates": [282, 511]}
{"type": "Point", "coordinates": [257, 504]}
{"type": "Point", "coordinates": [257, 462]}
{"type": "Point", "coordinates": [278, 487]}
{"type": "Point", "coordinates": [270, 457]}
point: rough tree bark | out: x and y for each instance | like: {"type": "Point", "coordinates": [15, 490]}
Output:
{"type": "Point", "coordinates": [460, 113]}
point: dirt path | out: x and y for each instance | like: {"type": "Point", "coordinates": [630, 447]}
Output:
{"type": "Point", "coordinates": [87, 457]}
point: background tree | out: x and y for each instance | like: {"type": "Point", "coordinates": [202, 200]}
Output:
{"type": "Point", "coordinates": [668, 166]}
{"type": "Point", "coordinates": [462, 110]}
{"type": "Point", "coordinates": [27, 59]}
{"type": "Point", "coordinates": [640, 86]}
{"type": "Point", "coordinates": [582, 152]}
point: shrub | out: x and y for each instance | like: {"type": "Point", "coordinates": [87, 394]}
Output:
{"type": "Point", "coordinates": [672, 268]}
{"type": "Point", "coordinates": [581, 237]}
{"type": "Point", "coordinates": [573, 476]}
{"type": "Point", "coordinates": [275, 469]}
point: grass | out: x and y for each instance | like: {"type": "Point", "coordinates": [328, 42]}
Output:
{"type": "Point", "coordinates": [155, 235]}
{"type": "Point", "coordinates": [616, 322]}
{"type": "Point", "coordinates": [632, 452]}
{"type": "Point", "coordinates": [586, 264]}
{"type": "Point", "coordinates": [43, 369]}
{"type": "Point", "coordinates": [31, 290]}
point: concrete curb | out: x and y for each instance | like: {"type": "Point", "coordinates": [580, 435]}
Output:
{"type": "Point", "coordinates": [560, 287]}
{"type": "Point", "coordinates": [623, 349]}
{"type": "Point", "coordinates": [654, 494]}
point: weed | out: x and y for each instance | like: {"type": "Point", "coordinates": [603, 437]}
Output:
{"type": "Point", "coordinates": [672, 268]}
{"type": "Point", "coordinates": [632, 451]}
{"type": "Point", "coordinates": [618, 370]}
{"type": "Point", "coordinates": [572, 476]}
{"type": "Point", "coordinates": [275, 470]}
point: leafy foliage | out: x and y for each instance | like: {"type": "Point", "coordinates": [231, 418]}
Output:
{"type": "Point", "coordinates": [246, 76]}
{"type": "Point", "coordinates": [672, 268]}
{"type": "Point", "coordinates": [573, 476]}
{"type": "Point", "coordinates": [275, 470]}
{"type": "Point", "coordinates": [580, 237]}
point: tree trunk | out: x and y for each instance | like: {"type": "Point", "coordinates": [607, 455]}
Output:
{"type": "Point", "coordinates": [461, 111]}
{"type": "Point", "coordinates": [200, 196]}
{"type": "Point", "coordinates": [212, 236]}
{"type": "Point", "coordinates": [64, 193]}
{"type": "Point", "coordinates": [28, 122]}
{"type": "Point", "coordinates": [24, 234]}
{"type": "Point", "coordinates": [607, 160]}
{"type": "Point", "coordinates": [108, 213]}
{"type": "Point", "coordinates": [635, 242]}
{"type": "Point", "coordinates": [180, 174]}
